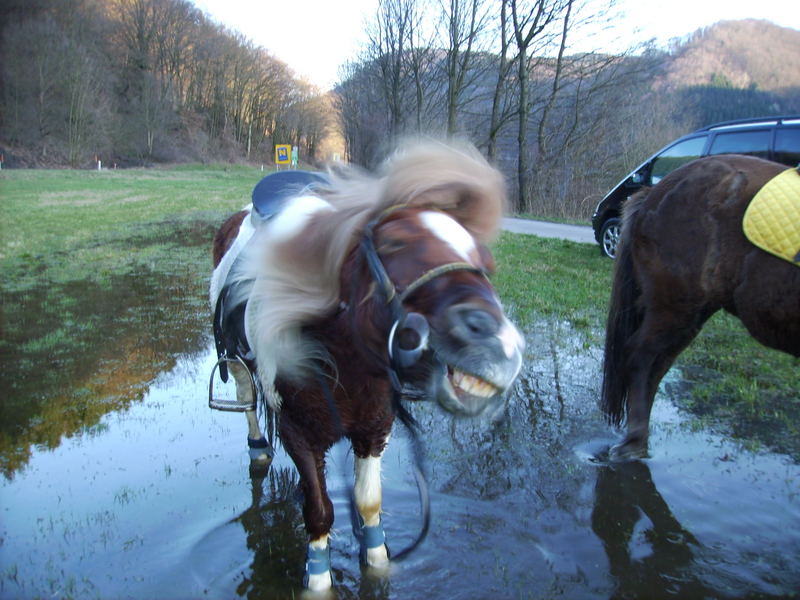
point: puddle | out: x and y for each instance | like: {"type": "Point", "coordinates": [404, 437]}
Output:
{"type": "Point", "coordinates": [121, 483]}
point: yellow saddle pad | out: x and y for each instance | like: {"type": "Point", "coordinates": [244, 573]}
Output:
{"type": "Point", "coordinates": [772, 220]}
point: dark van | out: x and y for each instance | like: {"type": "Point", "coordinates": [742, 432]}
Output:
{"type": "Point", "coordinates": [773, 138]}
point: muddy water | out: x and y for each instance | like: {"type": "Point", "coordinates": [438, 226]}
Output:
{"type": "Point", "coordinates": [121, 483]}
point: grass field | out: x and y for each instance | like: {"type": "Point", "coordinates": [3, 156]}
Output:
{"type": "Point", "coordinates": [66, 232]}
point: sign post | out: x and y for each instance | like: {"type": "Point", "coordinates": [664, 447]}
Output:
{"type": "Point", "coordinates": [283, 154]}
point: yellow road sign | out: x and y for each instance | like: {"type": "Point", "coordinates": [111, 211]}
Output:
{"type": "Point", "coordinates": [283, 154]}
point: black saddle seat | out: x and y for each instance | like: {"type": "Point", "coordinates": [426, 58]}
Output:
{"type": "Point", "coordinates": [272, 191]}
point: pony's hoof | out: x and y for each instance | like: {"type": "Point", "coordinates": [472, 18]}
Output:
{"type": "Point", "coordinates": [317, 577]}
{"type": "Point", "coordinates": [375, 558]}
{"type": "Point", "coordinates": [628, 450]}
{"type": "Point", "coordinates": [318, 583]}
{"type": "Point", "coordinates": [260, 451]}
{"type": "Point", "coordinates": [374, 552]}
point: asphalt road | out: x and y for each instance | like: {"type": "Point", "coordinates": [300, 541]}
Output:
{"type": "Point", "coordinates": [574, 233]}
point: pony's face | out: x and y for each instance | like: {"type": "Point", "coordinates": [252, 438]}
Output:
{"type": "Point", "coordinates": [474, 352]}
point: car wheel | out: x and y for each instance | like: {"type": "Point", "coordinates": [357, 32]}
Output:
{"type": "Point", "coordinates": [609, 237]}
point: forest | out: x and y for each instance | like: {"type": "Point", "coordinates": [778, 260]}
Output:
{"type": "Point", "coordinates": [143, 82]}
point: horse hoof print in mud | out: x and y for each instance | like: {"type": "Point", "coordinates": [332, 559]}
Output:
{"type": "Point", "coordinates": [341, 292]}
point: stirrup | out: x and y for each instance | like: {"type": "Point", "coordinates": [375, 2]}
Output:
{"type": "Point", "coordinates": [231, 405]}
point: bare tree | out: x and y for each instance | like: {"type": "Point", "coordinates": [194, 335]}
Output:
{"type": "Point", "coordinates": [388, 41]}
{"type": "Point", "coordinates": [530, 24]}
{"type": "Point", "coordinates": [465, 21]}
{"type": "Point", "coordinates": [500, 106]}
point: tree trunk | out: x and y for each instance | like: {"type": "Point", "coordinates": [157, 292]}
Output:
{"type": "Point", "coordinates": [522, 134]}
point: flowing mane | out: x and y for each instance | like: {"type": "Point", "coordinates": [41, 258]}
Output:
{"type": "Point", "coordinates": [296, 270]}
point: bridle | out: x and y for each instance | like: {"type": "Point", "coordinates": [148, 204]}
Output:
{"type": "Point", "coordinates": [401, 357]}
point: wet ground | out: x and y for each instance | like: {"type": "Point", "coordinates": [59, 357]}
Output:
{"type": "Point", "coordinates": [119, 482]}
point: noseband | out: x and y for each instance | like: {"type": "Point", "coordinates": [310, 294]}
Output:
{"type": "Point", "coordinates": [410, 323]}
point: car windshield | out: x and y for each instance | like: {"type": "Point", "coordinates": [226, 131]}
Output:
{"type": "Point", "coordinates": [674, 156]}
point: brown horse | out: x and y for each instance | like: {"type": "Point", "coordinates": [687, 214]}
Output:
{"type": "Point", "coordinates": [353, 288]}
{"type": "Point", "coordinates": [683, 257]}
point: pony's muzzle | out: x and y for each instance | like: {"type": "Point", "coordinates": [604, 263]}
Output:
{"type": "Point", "coordinates": [470, 323]}
{"type": "Point", "coordinates": [408, 339]}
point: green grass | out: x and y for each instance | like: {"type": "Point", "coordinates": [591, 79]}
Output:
{"type": "Point", "coordinates": [99, 266]}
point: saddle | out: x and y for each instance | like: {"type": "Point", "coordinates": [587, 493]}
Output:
{"type": "Point", "coordinates": [772, 219]}
{"type": "Point", "coordinates": [230, 337]}
{"type": "Point", "coordinates": [272, 192]}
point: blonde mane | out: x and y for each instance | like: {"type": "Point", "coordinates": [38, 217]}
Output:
{"type": "Point", "coordinates": [297, 277]}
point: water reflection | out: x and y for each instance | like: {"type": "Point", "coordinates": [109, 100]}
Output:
{"type": "Point", "coordinates": [74, 352]}
{"type": "Point", "coordinates": [272, 524]}
{"type": "Point", "coordinates": [647, 547]}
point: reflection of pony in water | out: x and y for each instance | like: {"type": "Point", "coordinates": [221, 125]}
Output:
{"type": "Point", "coordinates": [683, 257]}
{"type": "Point", "coordinates": [341, 291]}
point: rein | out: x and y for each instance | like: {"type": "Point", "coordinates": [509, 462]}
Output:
{"type": "Point", "coordinates": [400, 359]}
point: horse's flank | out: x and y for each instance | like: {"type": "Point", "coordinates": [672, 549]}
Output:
{"type": "Point", "coordinates": [297, 275]}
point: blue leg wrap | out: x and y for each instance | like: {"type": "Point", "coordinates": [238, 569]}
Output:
{"type": "Point", "coordinates": [259, 448]}
{"type": "Point", "coordinates": [373, 537]}
{"type": "Point", "coordinates": [318, 561]}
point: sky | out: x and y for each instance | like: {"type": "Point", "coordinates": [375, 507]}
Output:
{"type": "Point", "coordinates": [315, 37]}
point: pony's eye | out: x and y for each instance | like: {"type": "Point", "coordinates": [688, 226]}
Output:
{"type": "Point", "coordinates": [387, 247]}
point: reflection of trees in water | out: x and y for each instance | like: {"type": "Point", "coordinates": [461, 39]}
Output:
{"type": "Point", "coordinates": [652, 562]}
{"type": "Point", "coordinates": [72, 353]}
{"type": "Point", "coordinates": [273, 524]}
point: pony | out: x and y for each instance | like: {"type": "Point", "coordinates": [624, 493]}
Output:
{"type": "Point", "coordinates": [683, 257]}
{"type": "Point", "coordinates": [349, 294]}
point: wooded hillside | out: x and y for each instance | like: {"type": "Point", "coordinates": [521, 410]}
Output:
{"type": "Point", "coordinates": [136, 82]}
{"type": "Point", "coordinates": [140, 81]}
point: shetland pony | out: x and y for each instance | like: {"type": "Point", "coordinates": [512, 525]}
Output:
{"type": "Point", "coordinates": [352, 290]}
{"type": "Point", "coordinates": [683, 257]}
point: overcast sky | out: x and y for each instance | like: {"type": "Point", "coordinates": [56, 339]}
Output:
{"type": "Point", "coordinates": [314, 37]}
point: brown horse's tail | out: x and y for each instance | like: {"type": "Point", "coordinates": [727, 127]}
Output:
{"type": "Point", "coordinates": [623, 321]}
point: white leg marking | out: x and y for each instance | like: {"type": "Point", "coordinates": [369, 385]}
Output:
{"type": "Point", "coordinates": [253, 427]}
{"type": "Point", "coordinates": [368, 488]}
{"type": "Point", "coordinates": [367, 491]}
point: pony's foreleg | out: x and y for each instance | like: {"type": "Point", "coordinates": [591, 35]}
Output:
{"type": "Point", "coordinates": [367, 492]}
{"type": "Point", "coordinates": [317, 505]}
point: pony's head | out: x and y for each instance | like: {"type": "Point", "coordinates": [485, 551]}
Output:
{"type": "Point", "coordinates": [429, 302]}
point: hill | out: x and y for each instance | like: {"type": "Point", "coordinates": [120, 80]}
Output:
{"type": "Point", "coordinates": [749, 53]}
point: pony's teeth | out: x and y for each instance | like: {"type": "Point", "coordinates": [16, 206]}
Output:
{"type": "Point", "coordinates": [473, 385]}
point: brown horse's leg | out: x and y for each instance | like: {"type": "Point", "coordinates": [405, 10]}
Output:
{"type": "Point", "coordinates": [652, 351]}
{"type": "Point", "coordinates": [317, 505]}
